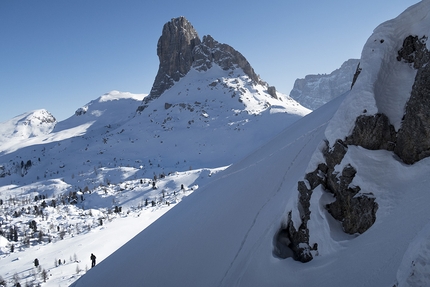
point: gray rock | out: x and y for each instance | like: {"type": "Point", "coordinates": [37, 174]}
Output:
{"type": "Point", "coordinates": [356, 74]}
{"type": "Point", "coordinates": [414, 51]}
{"type": "Point", "coordinates": [175, 52]}
{"type": "Point", "coordinates": [211, 51]}
{"type": "Point", "coordinates": [413, 138]}
{"type": "Point", "coordinates": [373, 132]}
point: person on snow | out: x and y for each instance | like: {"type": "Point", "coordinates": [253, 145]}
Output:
{"type": "Point", "coordinates": [93, 260]}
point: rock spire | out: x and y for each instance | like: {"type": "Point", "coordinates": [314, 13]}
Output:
{"type": "Point", "coordinates": [179, 49]}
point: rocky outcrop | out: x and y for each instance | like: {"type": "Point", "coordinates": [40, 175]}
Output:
{"type": "Point", "coordinates": [356, 74]}
{"type": "Point", "coordinates": [355, 208]}
{"type": "Point", "coordinates": [179, 49]}
{"type": "Point", "coordinates": [413, 138]}
{"type": "Point", "coordinates": [373, 132]}
{"type": "Point", "coordinates": [414, 51]}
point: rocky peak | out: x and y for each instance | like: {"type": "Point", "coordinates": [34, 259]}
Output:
{"type": "Point", "coordinates": [174, 50]}
{"type": "Point", "coordinates": [179, 49]}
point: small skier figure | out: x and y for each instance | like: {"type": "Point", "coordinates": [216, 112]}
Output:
{"type": "Point", "coordinates": [93, 260]}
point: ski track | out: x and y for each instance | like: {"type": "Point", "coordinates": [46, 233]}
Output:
{"type": "Point", "coordinates": [313, 132]}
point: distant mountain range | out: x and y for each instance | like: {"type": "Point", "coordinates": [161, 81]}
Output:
{"type": "Point", "coordinates": [316, 90]}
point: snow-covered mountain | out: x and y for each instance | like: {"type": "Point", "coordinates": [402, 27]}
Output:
{"type": "Point", "coordinates": [31, 124]}
{"type": "Point", "coordinates": [350, 160]}
{"type": "Point", "coordinates": [316, 90]}
{"type": "Point", "coordinates": [124, 156]}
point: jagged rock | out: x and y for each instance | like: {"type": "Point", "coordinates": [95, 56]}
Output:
{"type": "Point", "coordinates": [335, 155]}
{"type": "Point", "coordinates": [413, 138]}
{"type": "Point", "coordinates": [318, 176]}
{"type": "Point", "coordinates": [290, 242]}
{"type": "Point", "coordinates": [414, 51]}
{"type": "Point", "coordinates": [179, 49]}
{"type": "Point", "coordinates": [356, 74]}
{"type": "Point", "coordinates": [175, 52]}
{"type": "Point", "coordinates": [357, 213]}
{"type": "Point", "coordinates": [373, 132]}
{"type": "Point", "coordinates": [211, 51]}
{"type": "Point", "coordinates": [272, 91]}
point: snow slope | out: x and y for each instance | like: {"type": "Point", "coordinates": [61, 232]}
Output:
{"type": "Point", "coordinates": [70, 180]}
{"type": "Point", "coordinates": [212, 236]}
{"type": "Point", "coordinates": [31, 124]}
{"type": "Point", "coordinates": [222, 235]}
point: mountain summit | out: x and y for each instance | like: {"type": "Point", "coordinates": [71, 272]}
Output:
{"type": "Point", "coordinates": [179, 49]}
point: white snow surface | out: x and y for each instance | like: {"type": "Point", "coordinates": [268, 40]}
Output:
{"type": "Point", "coordinates": [70, 179]}
{"type": "Point", "coordinates": [28, 125]}
{"type": "Point", "coordinates": [222, 234]}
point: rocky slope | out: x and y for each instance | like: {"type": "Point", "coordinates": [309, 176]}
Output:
{"type": "Point", "coordinates": [386, 110]}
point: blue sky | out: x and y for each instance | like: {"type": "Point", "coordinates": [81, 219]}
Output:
{"type": "Point", "coordinates": [61, 54]}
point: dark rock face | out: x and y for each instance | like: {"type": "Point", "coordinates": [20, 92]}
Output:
{"type": "Point", "coordinates": [373, 132]}
{"type": "Point", "coordinates": [292, 242]}
{"type": "Point", "coordinates": [175, 52]}
{"type": "Point", "coordinates": [212, 52]}
{"type": "Point", "coordinates": [356, 74]}
{"type": "Point", "coordinates": [414, 51]}
{"type": "Point", "coordinates": [357, 213]}
{"type": "Point", "coordinates": [413, 138]}
{"type": "Point", "coordinates": [179, 49]}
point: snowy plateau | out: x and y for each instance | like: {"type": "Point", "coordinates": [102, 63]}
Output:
{"type": "Point", "coordinates": [192, 190]}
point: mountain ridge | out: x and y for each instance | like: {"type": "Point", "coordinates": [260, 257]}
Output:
{"type": "Point", "coordinates": [313, 91]}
